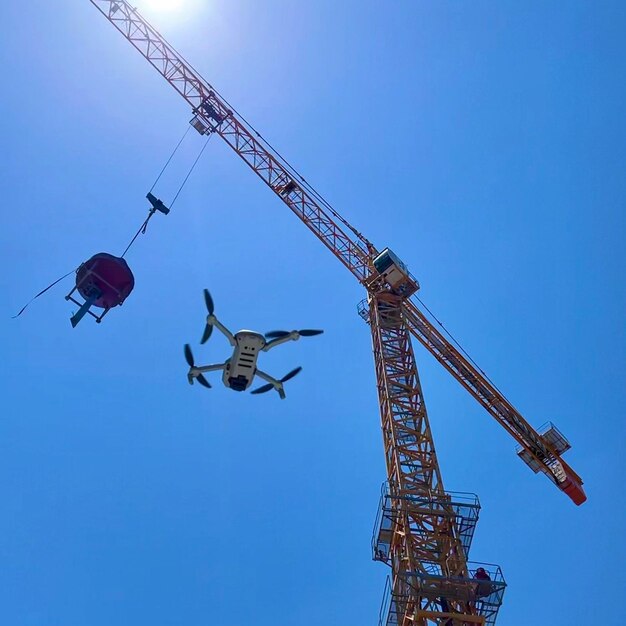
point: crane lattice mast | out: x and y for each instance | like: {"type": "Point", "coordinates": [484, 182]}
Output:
{"type": "Point", "coordinates": [422, 531]}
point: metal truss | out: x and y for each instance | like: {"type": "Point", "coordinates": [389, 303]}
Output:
{"type": "Point", "coordinates": [217, 116]}
{"type": "Point", "coordinates": [488, 396]}
{"type": "Point", "coordinates": [424, 539]}
{"type": "Point", "coordinates": [424, 542]}
{"type": "Point", "coordinates": [212, 113]}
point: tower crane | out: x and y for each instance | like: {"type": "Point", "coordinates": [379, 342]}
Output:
{"type": "Point", "coordinates": [422, 532]}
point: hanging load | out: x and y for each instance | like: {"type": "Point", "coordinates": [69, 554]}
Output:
{"type": "Point", "coordinates": [104, 281]}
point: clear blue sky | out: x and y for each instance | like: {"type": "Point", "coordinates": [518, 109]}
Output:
{"type": "Point", "coordinates": [483, 141]}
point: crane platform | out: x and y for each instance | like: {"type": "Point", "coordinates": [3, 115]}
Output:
{"type": "Point", "coordinates": [483, 596]}
{"type": "Point", "coordinates": [446, 513]}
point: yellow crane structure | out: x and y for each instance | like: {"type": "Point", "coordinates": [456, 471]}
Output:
{"type": "Point", "coordinates": [422, 532]}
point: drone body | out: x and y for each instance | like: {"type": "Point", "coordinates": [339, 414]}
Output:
{"type": "Point", "coordinates": [241, 368]}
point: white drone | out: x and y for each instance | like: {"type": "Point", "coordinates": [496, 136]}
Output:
{"type": "Point", "coordinates": [240, 369]}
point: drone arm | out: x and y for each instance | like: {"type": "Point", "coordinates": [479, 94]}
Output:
{"type": "Point", "coordinates": [202, 369]}
{"type": "Point", "coordinates": [267, 378]}
{"type": "Point", "coordinates": [292, 336]}
{"type": "Point", "coordinates": [270, 379]}
{"type": "Point", "coordinates": [211, 319]}
{"type": "Point", "coordinates": [197, 373]}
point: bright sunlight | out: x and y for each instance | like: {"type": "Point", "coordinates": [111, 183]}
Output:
{"type": "Point", "coordinates": [164, 5]}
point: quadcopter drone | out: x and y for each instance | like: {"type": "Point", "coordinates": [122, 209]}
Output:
{"type": "Point", "coordinates": [240, 369]}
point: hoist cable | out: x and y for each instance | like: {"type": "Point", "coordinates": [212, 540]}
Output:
{"type": "Point", "coordinates": [171, 157]}
{"type": "Point", "coordinates": [191, 170]}
{"type": "Point", "coordinates": [142, 229]}
{"type": "Point", "coordinates": [144, 225]}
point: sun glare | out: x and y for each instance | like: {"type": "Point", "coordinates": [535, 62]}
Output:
{"type": "Point", "coordinates": [164, 5]}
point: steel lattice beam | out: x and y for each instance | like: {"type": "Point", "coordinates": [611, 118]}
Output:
{"type": "Point", "coordinates": [424, 541]}
{"type": "Point", "coordinates": [489, 397]}
{"type": "Point", "coordinates": [419, 537]}
{"type": "Point", "coordinates": [354, 252]}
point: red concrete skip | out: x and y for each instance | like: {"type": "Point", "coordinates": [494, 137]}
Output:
{"type": "Point", "coordinates": [110, 274]}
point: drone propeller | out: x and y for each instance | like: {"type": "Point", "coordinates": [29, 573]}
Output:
{"type": "Point", "coordinates": [200, 377]}
{"type": "Point", "coordinates": [291, 374]}
{"type": "Point", "coordinates": [262, 389]}
{"type": "Point", "coordinates": [210, 307]}
{"type": "Point", "coordinates": [188, 355]}
{"type": "Point", "coordinates": [203, 381]}
{"type": "Point", "coordinates": [284, 379]}
{"type": "Point", "coordinates": [208, 330]}
{"type": "Point", "coordinates": [305, 332]}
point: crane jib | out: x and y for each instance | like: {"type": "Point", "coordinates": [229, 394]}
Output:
{"type": "Point", "coordinates": [219, 117]}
